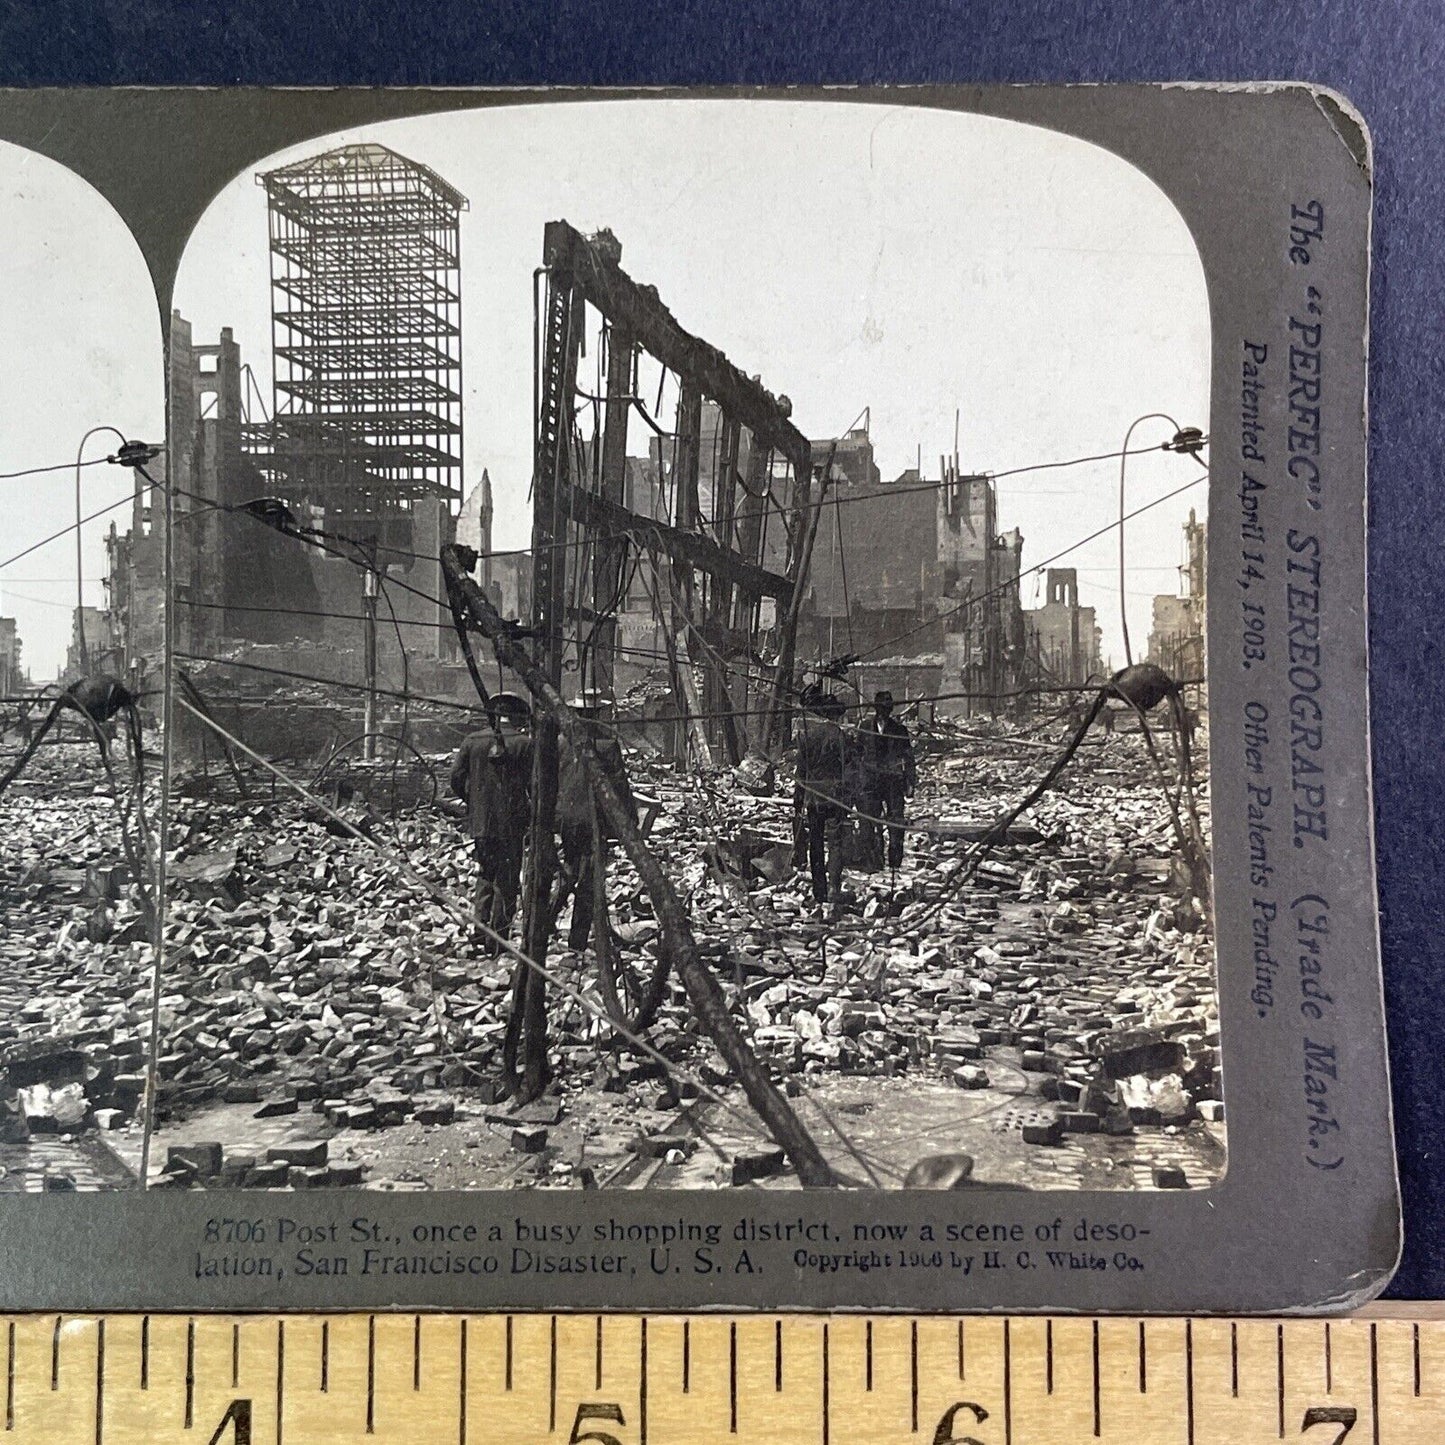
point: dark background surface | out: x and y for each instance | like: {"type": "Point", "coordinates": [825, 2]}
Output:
{"type": "Point", "coordinates": [1389, 59]}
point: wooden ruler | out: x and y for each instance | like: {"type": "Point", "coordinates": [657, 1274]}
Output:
{"type": "Point", "coordinates": [631, 1380]}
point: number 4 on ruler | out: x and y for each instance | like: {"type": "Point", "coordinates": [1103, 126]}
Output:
{"type": "Point", "coordinates": [238, 1413]}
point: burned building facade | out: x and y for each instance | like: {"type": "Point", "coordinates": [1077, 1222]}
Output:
{"type": "Point", "coordinates": [1064, 638]}
{"type": "Point", "coordinates": [984, 636]}
{"type": "Point", "coordinates": [12, 674]}
{"type": "Point", "coordinates": [1176, 639]}
{"type": "Point", "coordinates": [362, 445]}
{"type": "Point", "coordinates": [874, 576]}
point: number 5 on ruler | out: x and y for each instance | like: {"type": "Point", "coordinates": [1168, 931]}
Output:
{"type": "Point", "coordinates": [602, 1412]}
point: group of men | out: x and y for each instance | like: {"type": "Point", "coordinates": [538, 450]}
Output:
{"type": "Point", "coordinates": [493, 776]}
{"type": "Point", "coordinates": [867, 773]}
{"type": "Point", "coordinates": [843, 773]}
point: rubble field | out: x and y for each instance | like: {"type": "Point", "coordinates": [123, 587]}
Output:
{"type": "Point", "coordinates": [325, 1021]}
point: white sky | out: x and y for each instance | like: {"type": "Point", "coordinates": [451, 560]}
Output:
{"type": "Point", "coordinates": [82, 347]}
{"type": "Point", "coordinates": [910, 261]}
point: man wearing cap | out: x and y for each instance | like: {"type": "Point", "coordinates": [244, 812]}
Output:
{"type": "Point", "coordinates": [823, 767]}
{"type": "Point", "coordinates": [889, 777]}
{"type": "Point", "coordinates": [492, 774]}
{"type": "Point", "coordinates": [575, 808]}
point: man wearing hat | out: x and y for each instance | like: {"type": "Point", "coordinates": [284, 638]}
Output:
{"type": "Point", "coordinates": [492, 775]}
{"type": "Point", "coordinates": [575, 809]}
{"type": "Point", "coordinates": [823, 769]}
{"type": "Point", "coordinates": [889, 777]}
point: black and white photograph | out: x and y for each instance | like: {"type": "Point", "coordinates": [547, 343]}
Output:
{"type": "Point", "coordinates": [624, 645]}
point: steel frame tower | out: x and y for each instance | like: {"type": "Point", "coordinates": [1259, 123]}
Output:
{"type": "Point", "coordinates": [366, 332]}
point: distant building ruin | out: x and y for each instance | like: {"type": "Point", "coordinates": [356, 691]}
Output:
{"type": "Point", "coordinates": [363, 443]}
{"type": "Point", "coordinates": [12, 676]}
{"type": "Point", "coordinates": [1176, 639]}
{"type": "Point", "coordinates": [1064, 638]}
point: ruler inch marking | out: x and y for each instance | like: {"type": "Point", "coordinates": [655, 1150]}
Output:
{"type": "Point", "coordinates": [868, 1356]}
{"type": "Point", "coordinates": [462, 1381]}
{"type": "Point", "coordinates": [913, 1375]}
{"type": "Point", "coordinates": [1233, 1359]}
{"type": "Point", "coordinates": [235, 1354]}
{"type": "Point", "coordinates": [1048, 1357]}
{"type": "Point", "coordinates": [1374, 1386]}
{"type": "Point", "coordinates": [1008, 1407]}
{"type": "Point", "coordinates": [1097, 1405]}
{"type": "Point", "coordinates": [190, 1373]}
{"type": "Point", "coordinates": [1189, 1381]}
{"type": "Point", "coordinates": [552, 1376]}
{"type": "Point", "coordinates": [826, 1421]}
{"type": "Point", "coordinates": [145, 1352]}
{"type": "Point", "coordinates": [686, 1357]}
{"type": "Point", "coordinates": [100, 1382]}
{"type": "Point", "coordinates": [1329, 1361]}
{"type": "Point", "coordinates": [1415, 1331]}
{"type": "Point", "coordinates": [642, 1384]}
{"type": "Point", "coordinates": [416, 1352]}
{"type": "Point", "coordinates": [912, 1364]}
{"type": "Point", "coordinates": [733, 1378]}
{"type": "Point", "coordinates": [10, 1378]}
{"type": "Point", "coordinates": [777, 1357]}
{"type": "Point", "coordinates": [371, 1374]}
{"type": "Point", "coordinates": [55, 1355]}
{"type": "Point", "coordinates": [1279, 1373]}
{"type": "Point", "coordinates": [280, 1378]}
{"type": "Point", "coordinates": [509, 1353]}
{"type": "Point", "coordinates": [325, 1356]}
{"type": "Point", "coordinates": [597, 1375]}
{"type": "Point", "coordinates": [1143, 1362]}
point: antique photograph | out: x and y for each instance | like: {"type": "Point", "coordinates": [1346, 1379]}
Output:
{"type": "Point", "coordinates": [638, 645]}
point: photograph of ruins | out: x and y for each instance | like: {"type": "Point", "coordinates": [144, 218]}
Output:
{"type": "Point", "coordinates": [639, 646]}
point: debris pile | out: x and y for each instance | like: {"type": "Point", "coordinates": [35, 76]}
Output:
{"type": "Point", "coordinates": [305, 978]}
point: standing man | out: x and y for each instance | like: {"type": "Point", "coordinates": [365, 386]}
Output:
{"type": "Point", "coordinates": [576, 809]}
{"type": "Point", "coordinates": [491, 775]}
{"type": "Point", "coordinates": [823, 764]}
{"type": "Point", "coordinates": [890, 775]}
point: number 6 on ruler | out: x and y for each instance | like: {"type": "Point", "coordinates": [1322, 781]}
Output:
{"type": "Point", "coordinates": [944, 1434]}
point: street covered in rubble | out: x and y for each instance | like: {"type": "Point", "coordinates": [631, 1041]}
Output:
{"type": "Point", "coordinates": [762, 817]}
{"type": "Point", "coordinates": [327, 1021]}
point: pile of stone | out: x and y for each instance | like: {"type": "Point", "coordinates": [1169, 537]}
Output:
{"type": "Point", "coordinates": [302, 975]}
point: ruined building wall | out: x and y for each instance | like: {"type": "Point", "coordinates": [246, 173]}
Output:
{"type": "Point", "coordinates": [11, 673]}
{"type": "Point", "coordinates": [976, 655]}
{"type": "Point", "coordinates": [1063, 636]}
{"type": "Point", "coordinates": [1177, 636]}
{"type": "Point", "coordinates": [875, 564]}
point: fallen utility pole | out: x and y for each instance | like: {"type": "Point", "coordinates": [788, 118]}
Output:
{"type": "Point", "coordinates": [776, 730]}
{"type": "Point", "coordinates": [677, 938]}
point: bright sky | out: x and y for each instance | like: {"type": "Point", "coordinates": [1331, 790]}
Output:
{"type": "Point", "coordinates": [910, 261]}
{"type": "Point", "coordinates": [82, 348]}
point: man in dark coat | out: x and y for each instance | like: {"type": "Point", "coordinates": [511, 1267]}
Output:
{"type": "Point", "coordinates": [575, 809]}
{"type": "Point", "coordinates": [824, 762]}
{"type": "Point", "coordinates": [492, 775]}
{"type": "Point", "coordinates": [889, 777]}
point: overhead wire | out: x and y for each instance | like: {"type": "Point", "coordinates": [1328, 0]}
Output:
{"type": "Point", "coordinates": [1037, 567]}
{"type": "Point", "coordinates": [58, 467]}
{"type": "Point", "coordinates": [891, 489]}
